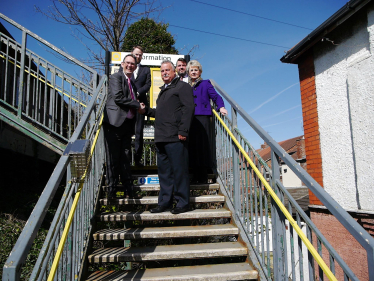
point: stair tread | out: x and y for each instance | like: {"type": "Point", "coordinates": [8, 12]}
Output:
{"type": "Point", "coordinates": [156, 187]}
{"type": "Point", "coordinates": [135, 176]}
{"type": "Point", "coordinates": [168, 252]}
{"type": "Point", "coordinates": [154, 199]}
{"type": "Point", "coordinates": [146, 215]}
{"type": "Point", "coordinates": [166, 232]}
{"type": "Point", "coordinates": [219, 272]}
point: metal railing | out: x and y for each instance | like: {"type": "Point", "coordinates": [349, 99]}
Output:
{"type": "Point", "coordinates": [281, 247]}
{"type": "Point", "coordinates": [36, 96]}
{"type": "Point", "coordinates": [88, 189]}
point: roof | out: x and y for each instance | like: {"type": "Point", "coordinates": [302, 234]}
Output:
{"type": "Point", "coordinates": [288, 145]}
{"type": "Point", "coordinates": [325, 28]}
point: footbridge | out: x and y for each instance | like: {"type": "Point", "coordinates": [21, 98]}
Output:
{"type": "Point", "coordinates": [244, 224]}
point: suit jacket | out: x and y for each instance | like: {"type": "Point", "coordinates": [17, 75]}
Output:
{"type": "Point", "coordinates": [174, 111]}
{"type": "Point", "coordinates": [142, 82]}
{"type": "Point", "coordinates": [119, 100]}
{"type": "Point", "coordinates": [203, 92]}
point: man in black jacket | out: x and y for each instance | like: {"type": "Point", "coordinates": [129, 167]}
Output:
{"type": "Point", "coordinates": [119, 126]}
{"type": "Point", "coordinates": [173, 115]}
{"type": "Point", "coordinates": [142, 79]}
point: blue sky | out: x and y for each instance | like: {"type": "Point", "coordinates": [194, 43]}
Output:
{"type": "Point", "coordinates": [250, 72]}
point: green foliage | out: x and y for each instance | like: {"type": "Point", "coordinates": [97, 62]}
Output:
{"type": "Point", "coordinates": [10, 229]}
{"type": "Point", "coordinates": [152, 36]}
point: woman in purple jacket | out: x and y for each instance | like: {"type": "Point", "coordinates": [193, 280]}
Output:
{"type": "Point", "coordinates": [199, 137]}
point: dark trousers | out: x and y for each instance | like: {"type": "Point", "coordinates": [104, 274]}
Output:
{"type": "Point", "coordinates": [139, 127]}
{"type": "Point", "coordinates": [118, 153]}
{"type": "Point", "coordinates": [172, 163]}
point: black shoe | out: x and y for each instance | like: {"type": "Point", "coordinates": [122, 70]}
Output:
{"type": "Point", "coordinates": [178, 210]}
{"type": "Point", "coordinates": [160, 209]}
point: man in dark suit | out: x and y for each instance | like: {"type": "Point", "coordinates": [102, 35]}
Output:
{"type": "Point", "coordinates": [173, 115]}
{"type": "Point", "coordinates": [142, 79]}
{"type": "Point", "coordinates": [119, 126]}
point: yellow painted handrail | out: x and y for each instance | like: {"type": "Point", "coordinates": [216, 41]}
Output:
{"type": "Point", "coordinates": [57, 89]}
{"type": "Point", "coordinates": [65, 233]}
{"type": "Point", "coordinates": [289, 217]}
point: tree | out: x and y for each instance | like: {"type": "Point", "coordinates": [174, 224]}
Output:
{"type": "Point", "coordinates": [152, 36]}
{"type": "Point", "coordinates": [101, 21]}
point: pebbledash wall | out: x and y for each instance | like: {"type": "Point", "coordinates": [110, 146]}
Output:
{"type": "Point", "coordinates": [337, 93]}
{"type": "Point", "coordinates": [344, 79]}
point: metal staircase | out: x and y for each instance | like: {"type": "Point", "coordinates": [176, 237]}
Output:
{"type": "Point", "coordinates": [201, 244]}
{"type": "Point", "coordinates": [51, 102]}
{"type": "Point", "coordinates": [242, 226]}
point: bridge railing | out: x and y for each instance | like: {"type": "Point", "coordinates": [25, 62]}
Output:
{"type": "Point", "coordinates": [37, 94]}
{"type": "Point", "coordinates": [284, 243]}
{"type": "Point", "coordinates": [86, 189]}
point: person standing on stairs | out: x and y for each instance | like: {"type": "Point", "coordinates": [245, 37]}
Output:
{"type": "Point", "coordinates": [119, 126]}
{"type": "Point", "coordinates": [200, 142]}
{"type": "Point", "coordinates": [142, 79]}
{"type": "Point", "coordinates": [173, 117]}
{"type": "Point", "coordinates": [182, 69]}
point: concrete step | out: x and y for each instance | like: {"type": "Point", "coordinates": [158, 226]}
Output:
{"type": "Point", "coordinates": [148, 216]}
{"type": "Point", "coordinates": [217, 272]}
{"type": "Point", "coordinates": [140, 175]}
{"type": "Point", "coordinates": [169, 252]}
{"type": "Point", "coordinates": [154, 199]}
{"type": "Point", "coordinates": [166, 232]}
{"type": "Point", "coordinates": [156, 187]}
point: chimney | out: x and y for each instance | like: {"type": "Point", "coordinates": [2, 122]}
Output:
{"type": "Point", "coordinates": [300, 153]}
{"type": "Point", "coordinates": [264, 145]}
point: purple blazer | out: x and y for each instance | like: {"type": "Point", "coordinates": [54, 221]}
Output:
{"type": "Point", "coordinates": [203, 92]}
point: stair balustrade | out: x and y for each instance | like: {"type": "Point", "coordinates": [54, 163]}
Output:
{"type": "Point", "coordinates": [37, 97]}
{"type": "Point", "coordinates": [246, 206]}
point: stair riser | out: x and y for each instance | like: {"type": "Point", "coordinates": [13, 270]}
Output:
{"type": "Point", "coordinates": [163, 216]}
{"type": "Point", "coordinates": [219, 199]}
{"type": "Point", "coordinates": [212, 186]}
{"type": "Point", "coordinates": [164, 234]}
{"type": "Point", "coordinates": [170, 256]}
{"type": "Point", "coordinates": [244, 275]}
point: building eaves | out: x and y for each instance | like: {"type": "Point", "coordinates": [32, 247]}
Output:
{"type": "Point", "coordinates": [344, 13]}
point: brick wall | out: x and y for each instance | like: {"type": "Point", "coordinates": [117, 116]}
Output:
{"type": "Point", "coordinates": [310, 118]}
{"type": "Point", "coordinates": [343, 242]}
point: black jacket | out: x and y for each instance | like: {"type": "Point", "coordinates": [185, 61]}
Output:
{"type": "Point", "coordinates": [119, 100]}
{"type": "Point", "coordinates": [142, 82]}
{"type": "Point", "coordinates": [174, 112]}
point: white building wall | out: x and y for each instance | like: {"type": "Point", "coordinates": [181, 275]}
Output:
{"type": "Point", "coordinates": [289, 178]}
{"type": "Point", "coordinates": [344, 76]}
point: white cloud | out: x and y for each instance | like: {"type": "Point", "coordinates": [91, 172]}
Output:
{"type": "Point", "coordinates": [273, 97]}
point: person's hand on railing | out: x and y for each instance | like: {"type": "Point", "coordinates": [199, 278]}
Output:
{"type": "Point", "coordinates": [141, 109]}
{"type": "Point", "coordinates": [223, 111]}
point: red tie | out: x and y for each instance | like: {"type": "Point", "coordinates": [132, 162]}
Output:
{"type": "Point", "coordinates": [132, 110]}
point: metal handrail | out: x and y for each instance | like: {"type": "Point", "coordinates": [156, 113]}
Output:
{"type": "Point", "coordinates": [357, 231]}
{"type": "Point", "coordinates": [37, 95]}
{"type": "Point", "coordinates": [19, 252]}
{"type": "Point", "coordinates": [73, 209]}
{"type": "Point", "coordinates": [48, 84]}
{"type": "Point", "coordinates": [289, 217]}
{"type": "Point", "coordinates": [47, 43]}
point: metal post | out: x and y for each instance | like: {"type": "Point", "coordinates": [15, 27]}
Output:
{"type": "Point", "coordinates": [107, 60]}
{"type": "Point", "coordinates": [22, 72]}
{"type": "Point", "coordinates": [235, 166]}
{"type": "Point", "coordinates": [276, 222]}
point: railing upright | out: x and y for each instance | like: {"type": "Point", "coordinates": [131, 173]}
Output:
{"type": "Point", "coordinates": [282, 221]}
{"type": "Point", "coordinates": [22, 71]}
{"type": "Point", "coordinates": [235, 168]}
{"type": "Point", "coordinates": [19, 252]}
